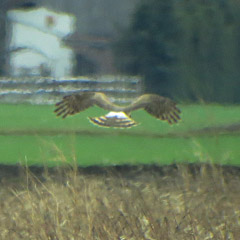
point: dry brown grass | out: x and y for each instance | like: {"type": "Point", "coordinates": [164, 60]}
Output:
{"type": "Point", "coordinates": [147, 202]}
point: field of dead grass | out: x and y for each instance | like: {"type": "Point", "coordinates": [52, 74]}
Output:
{"type": "Point", "coordinates": [143, 202]}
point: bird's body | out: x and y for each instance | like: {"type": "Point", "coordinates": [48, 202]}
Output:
{"type": "Point", "coordinates": [160, 107]}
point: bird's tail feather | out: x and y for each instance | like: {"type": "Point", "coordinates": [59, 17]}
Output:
{"type": "Point", "coordinates": [115, 120]}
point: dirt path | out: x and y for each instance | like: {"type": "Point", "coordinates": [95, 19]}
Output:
{"type": "Point", "coordinates": [207, 131]}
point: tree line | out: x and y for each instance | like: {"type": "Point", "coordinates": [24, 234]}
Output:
{"type": "Point", "coordinates": [188, 49]}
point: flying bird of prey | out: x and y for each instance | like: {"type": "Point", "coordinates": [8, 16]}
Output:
{"type": "Point", "coordinates": [119, 116]}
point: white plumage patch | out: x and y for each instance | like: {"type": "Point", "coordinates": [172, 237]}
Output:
{"type": "Point", "coordinates": [114, 119]}
{"type": "Point", "coordinates": [116, 115]}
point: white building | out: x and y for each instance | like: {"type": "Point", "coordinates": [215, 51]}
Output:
{"type": "Point", "coordinates": [35, 43]}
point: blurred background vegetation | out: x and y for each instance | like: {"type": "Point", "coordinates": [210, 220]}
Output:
{"type": "Point", "coordinates": [188, 49]}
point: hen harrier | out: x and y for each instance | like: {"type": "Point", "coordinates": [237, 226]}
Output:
{"type": "Point", "coordinates": [160, 107]}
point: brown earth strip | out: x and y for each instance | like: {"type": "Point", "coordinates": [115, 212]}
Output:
{"type": "Point", "coordinates": [233, 129]}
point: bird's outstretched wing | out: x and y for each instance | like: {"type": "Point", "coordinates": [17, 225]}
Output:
{"type": "Point", "coordinates": [160, 107]}
{"type": "Point", "coordinates": [76, 103]}
{"type": "Point", "coordinates": [73, 104]}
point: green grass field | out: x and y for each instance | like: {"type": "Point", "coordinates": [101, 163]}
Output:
{"type": "Point", "coordinates": [32, 134]}
{"type": "Point", "coordinates": [179, 201]}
